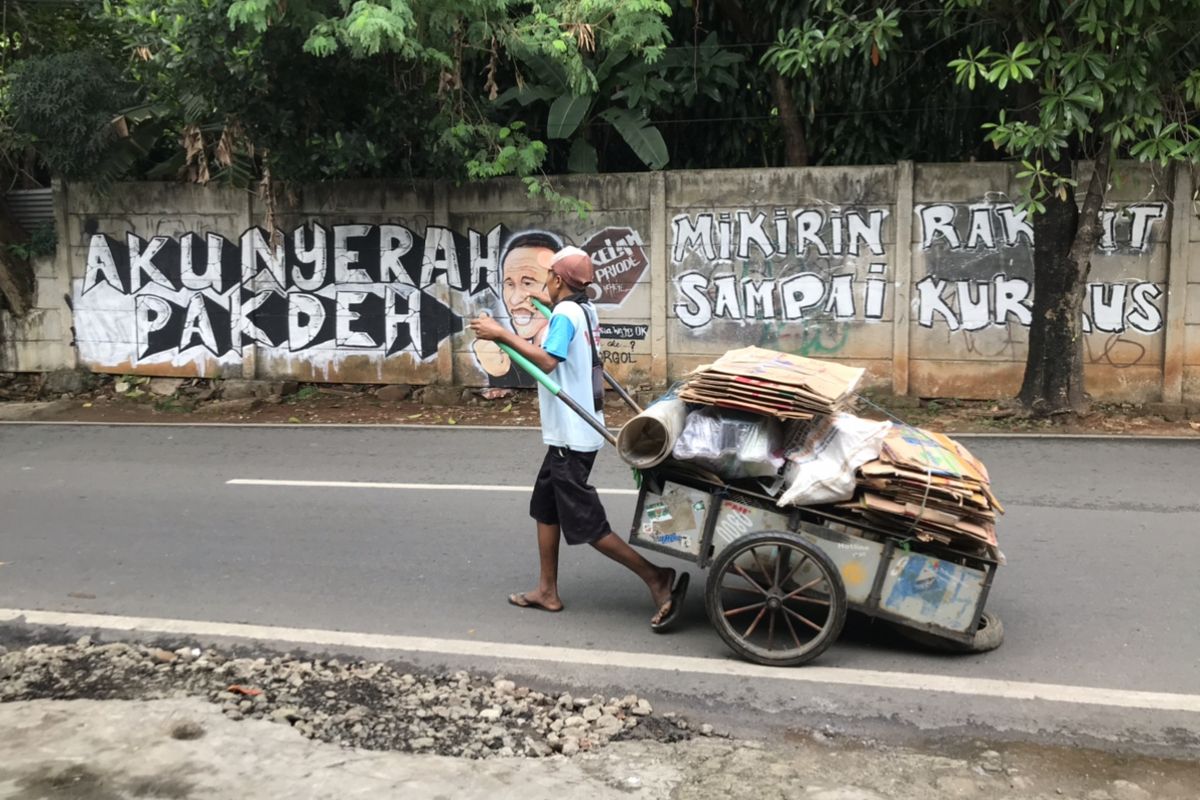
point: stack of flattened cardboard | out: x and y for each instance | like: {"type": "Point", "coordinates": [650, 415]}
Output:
{"type": "Point", "coordinates": [773, 383]}
{"type": "Point", "coordinates": [927, 485]}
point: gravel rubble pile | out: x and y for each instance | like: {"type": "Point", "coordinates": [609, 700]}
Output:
{"type": "Point", "coordinates": [369, 705]}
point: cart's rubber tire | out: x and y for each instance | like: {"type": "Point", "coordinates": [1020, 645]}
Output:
{"type": "Point", "coordinates": [833, 598]}
{"type": "Point", "coordinates": [988, 636]}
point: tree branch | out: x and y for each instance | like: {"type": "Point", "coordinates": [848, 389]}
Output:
{"type": "Point", "coordinates": [1088, 233]}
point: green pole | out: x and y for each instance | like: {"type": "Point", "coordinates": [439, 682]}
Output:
{"type": "Point", "coordinates": [618, 388]}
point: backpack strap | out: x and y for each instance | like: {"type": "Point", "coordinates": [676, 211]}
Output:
{"type": "Point", "coordinates": [588, 330]}
{"type": "Point", "coordinates": [581, 300]}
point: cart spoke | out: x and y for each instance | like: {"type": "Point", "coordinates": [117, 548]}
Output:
{"type": "Point", "coordinates": [744, 609]}
{"type": "Point", "coordinates": [778, 564]}
{"type": "Point", "coordinates": [766, 575]}
{"type": "Point", "coordinates": [771, 630]}
{"type": "Point", "coordinates": [804, 619]}
{"type": "Point", "coordinates": [792, 629]}
{"type": "Point", "coordinates": [725, 587]}
{"type": "Point", "coordinates": [816, 601]}
{"type": "Point", "coordinates": [799, 564]}
{"type": "Point", "coordinates": [754, 624]}
{"type": "Point", "coordinates": [752, 582]}
{"type": "Point", "coordinates": [808, 585]}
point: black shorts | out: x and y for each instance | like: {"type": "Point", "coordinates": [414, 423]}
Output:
{"type": "Point", "coordinates": [562, 496]}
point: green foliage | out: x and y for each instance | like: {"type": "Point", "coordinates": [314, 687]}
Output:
{"type": "Point", "coordinates": [838, 35]}
{"type": "Point", "coordinates": [583, 157]}
{"type": "Point", "coordinates": [1077, 76]}
{"type": "Point", "coordinates": [65, 104]}
{"type": "Point", "coordinates": [624, 89]}
{"type": "Point", "coordinates": [566, 112]}
{"type": "Point", "coordinates": [320, 89]}
{"type": "Point", "coordinates": [642, 137]}
{"type": "Point", "coordinates": [30, 31]}
{"type": "Point", "coordinates": [42, 242]}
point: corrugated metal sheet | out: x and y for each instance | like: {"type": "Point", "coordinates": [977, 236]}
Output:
{"type": "Point", "coordinates": [33, 208]}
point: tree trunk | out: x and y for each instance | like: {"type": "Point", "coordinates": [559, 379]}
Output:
{"type": "Point", "coordinates": [749, 29]}
{"type": "Point", "coordinates": [16, 274]}
{"type": "Point", "coordinates": [29, 170]}
{"type": "Point", "coordinates": [1064, 239]}
{"type": "Point", "coordinates": [795, 146]}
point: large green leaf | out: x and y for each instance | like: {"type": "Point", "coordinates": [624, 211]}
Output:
{"type": "Point", "coordinates": [611, 62]}
{"type": "Point", "coordinates": [645, 140]}
{"type": "Point", "coordinates": [526, 94]}
{"type": "Point", "coordinates": [565, 115]}
{"type": "Point", "coordinates": [546, 71]}
{"type": "Point", "coordinates": [582, 157]}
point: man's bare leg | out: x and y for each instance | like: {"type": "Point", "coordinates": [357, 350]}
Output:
{"type": "Point", "coordinates": [658, 579]}
{"type": "Point", "coordinates": [546, 595]}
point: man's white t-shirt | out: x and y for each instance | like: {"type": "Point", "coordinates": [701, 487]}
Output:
{"type": "Point", "coordinates": [567, 340]}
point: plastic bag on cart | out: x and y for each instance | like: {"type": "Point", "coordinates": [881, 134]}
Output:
{"type": "Point", "coordinates": [731, 444]}
{"type": "Point", "coordinates": [821, 469]}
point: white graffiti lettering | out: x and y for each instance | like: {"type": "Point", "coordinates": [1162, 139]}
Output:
{"type": "Point", "coordinates": [745, 234]}
{"type": "Point", "coordinates": [703, 298]}
{"type": "Point", "coordinates": [975, 228]}
{"type": "Point", "coordinates": [973, 305]}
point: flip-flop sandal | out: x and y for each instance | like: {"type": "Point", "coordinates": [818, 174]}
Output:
{"type": "Point", "coordinates": [667, 621]}
{"type": "Point", "coordinates": [521, 601]}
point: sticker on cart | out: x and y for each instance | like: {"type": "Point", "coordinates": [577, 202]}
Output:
{"type": "Point", "coordinates": [647, 528]}
{"type": "Point", "coordinates": [675, 540]}
{"type": "Point", "coordinates": [698, 506]}
{"type": "Point", "coordinates": [931, 590]}
{"type": "Point", "coordinates": [658, 512]}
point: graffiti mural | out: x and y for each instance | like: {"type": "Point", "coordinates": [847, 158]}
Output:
{"type": "Point", "coordinates": [381, 299]}
{"type": "Point", "coordinates": [803, 271]}
{"type": "Point", "coordinates": [781, 265]}
{"type": "Point", "coordinates": [620, 261]}
{"type": "Point", "coordinates": [979, 265]}
{"type": "Point", "coordinates": [322, 293]}
{"type": "Point", "coordinates": [523, 275]}
{"type": "Point", "coordinates": [618, 343]}
{"type": "Point", "coordinates": [313, 292]}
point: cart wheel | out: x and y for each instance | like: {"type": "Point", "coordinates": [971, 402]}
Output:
{"type": "Point", "coordinates": [775, 599]}
{"type": "Point", "coordinates": [988, 636]}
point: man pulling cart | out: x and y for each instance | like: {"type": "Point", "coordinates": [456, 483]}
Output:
{"type": "Point", "coordinates": [564, 505]}
{"type": "Point", "coordinates": [735, 475]}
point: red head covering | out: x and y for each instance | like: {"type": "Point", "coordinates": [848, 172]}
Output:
{"type": "Point", "coordinates": [574, 266]}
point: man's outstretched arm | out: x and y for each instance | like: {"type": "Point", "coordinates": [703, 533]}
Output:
{"type": "Point", "coordinates": [487, 328]}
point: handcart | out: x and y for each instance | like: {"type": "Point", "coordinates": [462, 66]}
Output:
{"type": "Point", "coordinates": [780, 580]}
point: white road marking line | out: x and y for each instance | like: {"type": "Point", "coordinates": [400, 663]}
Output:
{"type": "Point", "coordinates": [437, 487]}
{"type": "Point", "coordinates": [949, 684]}
{"type": "Point", "coordinates": [1110, 437]}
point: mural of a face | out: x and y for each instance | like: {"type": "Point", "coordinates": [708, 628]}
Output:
{"type": "Point", "coordinates": [525, 270]}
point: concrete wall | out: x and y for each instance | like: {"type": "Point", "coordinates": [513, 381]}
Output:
{"type": "Point", "coordinates": [922, 274]}
{"type": "Point", "coordinates": [41, 341]}
{"type": "Point", "coordinates": [972, 273]}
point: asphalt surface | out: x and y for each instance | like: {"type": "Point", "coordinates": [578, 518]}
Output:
{"type": "Point", "coordinates": [1100, 589]}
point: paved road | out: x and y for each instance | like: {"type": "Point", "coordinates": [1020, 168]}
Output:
{"type": "Point", "coordinates": [1100, 590]}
